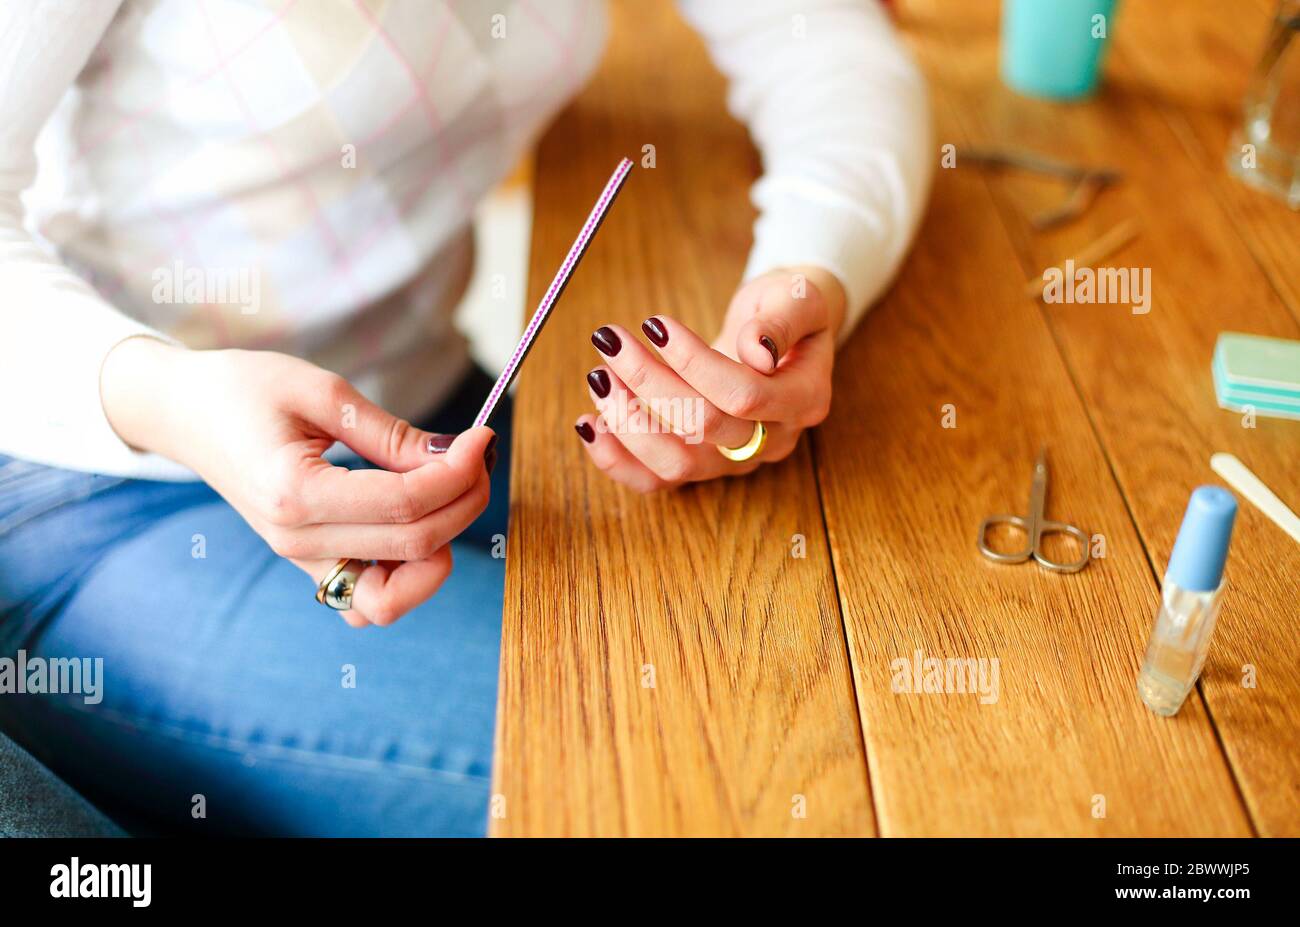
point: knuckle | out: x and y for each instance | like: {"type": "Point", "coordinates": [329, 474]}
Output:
{"type": "Point", "coordinates": [277, 495]}
{"type": "Point", "coordinates": [464, 472]}
{"type": "Point", "coordinates": [398, 436]}
{"type": "Point", "coordinates": [280, 505]}
{"type": "Point", "coordinates": [712, 419]}
{"type": "Point", "coordinates": [383, 613]}
{"type": "Point", "coordinates": [444, 560]}
{"type": "Point", "coordinates": [782, 451]}
{"type": "Point", "coordinates": [637, 376]}
{"type": "Point", "coordinates": [815, 418]}
{"type": "Point", "coordinates": [685, 364]}
{"type": "Point", "coordinates": [674, 469]}
{"type": "Point", "coordinates": [482, 495]}
{"type": "Point", "coordinates": [817, 413]}
{"type": "Point", "coordinates": [743, 400]}
{"type": "Point", "coordinates": [335, 389]}
{"type": "Point", "coordinates": [417, 545]}
{"type": "Point", "coordinates": [286, 544]}
{"type": "Point", "coordinates": [403, 510]}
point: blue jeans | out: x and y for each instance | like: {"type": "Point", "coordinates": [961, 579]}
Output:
{"type": "Point", "coordinates": [231, 702]}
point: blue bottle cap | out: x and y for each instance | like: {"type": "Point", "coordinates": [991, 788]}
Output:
{"type": "Point", "coordinates": [1202, 546]}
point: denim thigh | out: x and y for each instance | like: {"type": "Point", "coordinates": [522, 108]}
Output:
{"type": "Point", "coordinates": [231, 702]}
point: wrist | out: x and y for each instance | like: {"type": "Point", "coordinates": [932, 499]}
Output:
{"type": "Point", "coordinates": [138, 386]}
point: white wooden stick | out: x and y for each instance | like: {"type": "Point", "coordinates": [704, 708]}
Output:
{"type": "Point", "coordinates": [1252, 487]}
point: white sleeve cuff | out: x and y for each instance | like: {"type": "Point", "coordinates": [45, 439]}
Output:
{"type": "Point", "coordinates": [805, 222]}
{"type": "Point", "coordinates": [60, 420]}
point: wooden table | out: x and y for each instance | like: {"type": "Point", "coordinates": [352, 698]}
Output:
{"type": "Point", "coordinates": [672, 665]}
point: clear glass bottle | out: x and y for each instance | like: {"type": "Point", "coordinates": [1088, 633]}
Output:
{"type": "Point", "coordinates": [1265, 151]}
{"type": "Point", "coordinates": [1178, 645]}
{"type": "Point", "coordinates": [1189, 601]}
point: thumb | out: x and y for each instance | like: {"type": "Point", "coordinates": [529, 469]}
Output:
{"type": "Point", "coordinates": [789, 310]}
{"type": "Point", "coordinates": [380, 437]}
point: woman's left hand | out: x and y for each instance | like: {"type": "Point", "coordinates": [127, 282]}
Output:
{"type": "Point", "coordinates": [662, 412]}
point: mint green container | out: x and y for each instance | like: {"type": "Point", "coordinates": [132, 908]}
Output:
{"type": "Point", "coordinates": [1052, 48]}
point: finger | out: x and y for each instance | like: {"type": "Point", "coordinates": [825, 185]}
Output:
{"type": "Point", "coordinates": [414, 541]}
{"type": "Point", "coordinates": [613, 459]}
{"type": "Point", "coordinates": [385, 593]}
{"type": "Point", "coordinates": [321, 493]}
{"type": "Point", "coordinates": [781, 442]}
{"type": "Point", "coordinates": [354, 619]}
{"type": "Point", "coordinates": [616, 461]}
{"type": "Point", "coordinates": [666, 455]}
{"type": "Point", "coordinates": [672, 400]}
{"type": "Point", "coordinates": [786, 315]}
{"type": "Point", "coordinates": [317, 569]}
{"type": "Point", "coordinates": [732, 386]}
{"type": "Point", "coordinates": [807, 369]}
{"type": "Point", "coordinates": [338, 409]}
{"type": "Point", "coordinates": [679, 407]}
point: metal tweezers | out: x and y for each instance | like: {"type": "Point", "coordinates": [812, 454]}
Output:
{"type": "Point", "coordinates": [1088, 181]}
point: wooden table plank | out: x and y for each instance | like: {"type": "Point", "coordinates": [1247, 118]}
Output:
{"type": "Point", "coordinates": [1146, 378]}
{"type": "Point", "coordinates": [1067, 738]}
{"type": "Point", "coordinates": [752, 717]}
{"type": "Point", "coordinates": [1194, 67]}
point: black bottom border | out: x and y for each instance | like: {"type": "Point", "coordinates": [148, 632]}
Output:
{"type": "Point", "coordinates": [337, 876]}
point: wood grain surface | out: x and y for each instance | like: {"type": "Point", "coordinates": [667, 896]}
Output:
{"type": "Point", "coordinates": [750, 727]}
{"type": "Point", "coordinates": [1145, 379]}
{"type": "Point", "coordinates": [776, 677]}
{"type": "Point", "coordinates": [1194, 68]}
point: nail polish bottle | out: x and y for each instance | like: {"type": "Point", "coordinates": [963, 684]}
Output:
{"type": "Point", "coordinates": [1189, 602]}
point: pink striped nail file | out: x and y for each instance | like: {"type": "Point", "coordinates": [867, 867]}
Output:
{"type": "Point", "coordinates": [553, 292]}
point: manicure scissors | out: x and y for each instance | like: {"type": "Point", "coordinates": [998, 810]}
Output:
{"type": "Point", "coordinates": [1034, 526]}
{"type": "Point", "coordinates": [1088, 181]}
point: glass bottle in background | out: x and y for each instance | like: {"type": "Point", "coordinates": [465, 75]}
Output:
{"type": "Point", "coordinates": [1265, 152]}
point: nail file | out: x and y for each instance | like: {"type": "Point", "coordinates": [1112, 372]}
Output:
{"type": "Point", "coordinates": [553, 292]}
{"type": "Point", "coordinates": [1258, 374]}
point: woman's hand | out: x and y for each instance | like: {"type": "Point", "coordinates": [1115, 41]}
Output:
{"type": "Point", "coordinates": [661, 414]}
{"type": "Point", "coordinates": [254, 425]}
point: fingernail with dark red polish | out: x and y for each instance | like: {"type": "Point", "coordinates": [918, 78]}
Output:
{"type": "Point", "coordinates": [490, 460]}
{"type": "Point", "coordinates": [598, 380]}
{"type": "Point", "coordinates": [606, 341]}
{"type": "Point", "coordinates": [771, 348]}
{"type": "Point", "coordinates": [438, 444]}
{"type": "Point", "coordinates": [585, 432]}
{"type": "Point", "coordinates": [655, 331]}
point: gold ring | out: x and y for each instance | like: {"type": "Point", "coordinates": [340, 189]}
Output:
{"type": "Point", "coordinates": [751, 448]}
{"type": "Point", "coordinates": [336, 589]}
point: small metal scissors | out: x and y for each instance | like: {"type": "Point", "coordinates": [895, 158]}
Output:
{"type": "Point", "coordinates": [1034, 525]}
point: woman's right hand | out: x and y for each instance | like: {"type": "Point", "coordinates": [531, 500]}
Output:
{"type": "Point", "coordinates": [255, 424]}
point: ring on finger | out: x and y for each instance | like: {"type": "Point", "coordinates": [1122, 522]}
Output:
{"type": "Point", "coordinates": [336, 589]}
{"type": "Point", "coordinates": [750, 449]}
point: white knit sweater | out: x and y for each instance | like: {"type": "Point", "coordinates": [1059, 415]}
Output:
{"type": "Point", "coordinates": [299, 175]}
